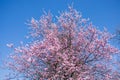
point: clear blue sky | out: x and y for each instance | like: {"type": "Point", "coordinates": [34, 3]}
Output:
{"type": "Point", "coordinates": [14, 14]}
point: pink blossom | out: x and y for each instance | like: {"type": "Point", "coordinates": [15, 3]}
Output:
{"type": "Point", "coordinates": [71, 49]}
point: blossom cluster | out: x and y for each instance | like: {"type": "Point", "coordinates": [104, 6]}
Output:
{"type": "Point", "coordinates": [71, 48]}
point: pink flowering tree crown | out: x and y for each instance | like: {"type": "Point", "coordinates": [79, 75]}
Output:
{"type": "Point", "coordinates": [67, 47]}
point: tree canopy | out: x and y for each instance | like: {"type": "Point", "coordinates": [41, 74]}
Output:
{"type": "Point", "coordinates": [66, 47]}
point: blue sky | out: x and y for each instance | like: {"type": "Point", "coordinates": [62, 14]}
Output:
{"type": "Point", "coordinates": [15, 13]}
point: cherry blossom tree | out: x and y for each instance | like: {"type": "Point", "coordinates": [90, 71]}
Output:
{"type": "Point", "coordinates": [66, 47]}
